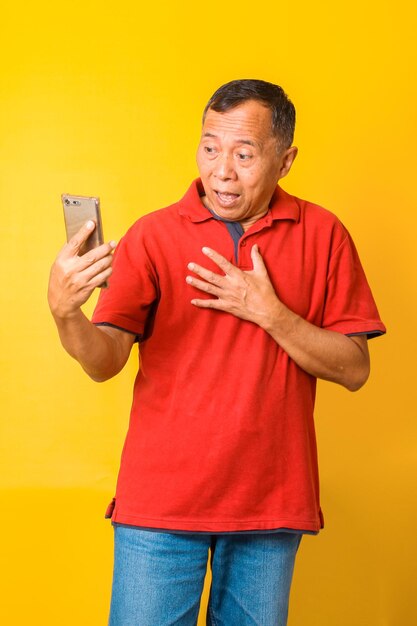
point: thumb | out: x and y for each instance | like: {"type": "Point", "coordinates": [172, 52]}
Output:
{"type": "Point", "coordinates": [74, 244]}
{"type": "Point", "coordinates": [257, 260]}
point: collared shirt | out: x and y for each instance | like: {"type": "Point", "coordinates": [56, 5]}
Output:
{"type": "Point", "coordinates": [221, 435]}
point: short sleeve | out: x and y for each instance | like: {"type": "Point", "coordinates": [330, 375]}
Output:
{"type": "Point", "coordinates": [349, 305]}
{"type": "Point", "coordinates": [132, 294]}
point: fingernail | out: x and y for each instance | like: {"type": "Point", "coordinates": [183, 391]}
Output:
{"type": "Point", "coordinates": [188, 279]}
{"type": "Point", "coordinates": [90, 224]}
{"type": "Point", "coordinates": [113, 244]}
{"type": "Point", "coordinates": [206, 250]}
{"type": "Point", "coordinates": [190, 266]}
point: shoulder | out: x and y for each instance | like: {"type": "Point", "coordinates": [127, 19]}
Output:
{"type": "Point", "coordinates": [317, 214]}
{"type": "Point", "coordinates": [320, 223]}
{"type": "Point", "coordinates": [153, 222]}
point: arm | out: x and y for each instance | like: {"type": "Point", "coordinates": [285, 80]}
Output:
{"type": "Point", "coordinates": [101, 351]}
{"type": "Point", "coordinates": [251, 296]}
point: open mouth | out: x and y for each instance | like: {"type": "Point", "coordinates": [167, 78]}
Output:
{"type": "Point", "coordinates": [226, 198]}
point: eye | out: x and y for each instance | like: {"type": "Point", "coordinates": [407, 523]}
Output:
{"type": "Point", "coordinates": [243, 157]}
{"type": "Point", "coordinates": [209, 149]}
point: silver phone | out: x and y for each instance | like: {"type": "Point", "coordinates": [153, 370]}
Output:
{"type": "Point", "coordinates": [77, 211]}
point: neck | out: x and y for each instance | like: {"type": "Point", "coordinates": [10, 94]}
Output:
{"type": "Point", "coordinates": [246, 223]}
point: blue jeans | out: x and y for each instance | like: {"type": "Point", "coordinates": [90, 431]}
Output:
{"type": "Point", "coordinates": [158, 578]}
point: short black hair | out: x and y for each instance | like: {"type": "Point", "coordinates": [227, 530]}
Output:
{"type": "Point", "coordinates": [236, 92]}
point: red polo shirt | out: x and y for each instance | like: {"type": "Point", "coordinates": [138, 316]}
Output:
{"type": "Point", "coordinates": [221, 434]}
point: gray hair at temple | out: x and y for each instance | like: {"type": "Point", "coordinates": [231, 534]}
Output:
{"type": "Point", "coordinates": [236, 92]}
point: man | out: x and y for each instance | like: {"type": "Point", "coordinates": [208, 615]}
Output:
{"type": "Point", "coordinates": [240, 296]}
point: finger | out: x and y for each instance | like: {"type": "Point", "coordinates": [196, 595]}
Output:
{"type": "Point", "coordinates": [207, 304]}
{"type": "Point", "coordinates": [91, 257]}
{"type": "Point", "coordinates": [208, 275]}
{"type": "Point", "coordinates": [219, 260]}
{"type": "Point", "coordinates": [203, 286]}
{"type": "Point", "coordinates": [257, 260]}
{"type": "Point", "coordinates": [73, 246]}
{"type": "Point", "coordinates": [98, 267]}
{"type": "Point", "coordinates": [100, 278]}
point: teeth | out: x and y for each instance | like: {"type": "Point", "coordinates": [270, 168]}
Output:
{"type": "Point", "coordinates": [227, 196]}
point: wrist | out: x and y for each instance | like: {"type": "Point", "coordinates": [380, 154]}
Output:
{"type": "Point", "coordinates": [279, 320]}
{"type": "Point", "coordinates": [64, 315]}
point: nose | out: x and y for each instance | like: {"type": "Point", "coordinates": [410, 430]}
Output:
{"type": "Point", "coordinates": [224, 167]}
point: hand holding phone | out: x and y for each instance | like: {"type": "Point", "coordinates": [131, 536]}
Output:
{"type": "Point", "coordinates": [80, 266]}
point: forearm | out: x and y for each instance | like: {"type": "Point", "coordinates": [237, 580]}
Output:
{"type": "Point", "coordinates": [322, 353]}
{"type": "Point", "coordinates": [250, 295]}
{"type": "Point", "coordinates": [96, 351]}
{"type": "Point", "coordinates": [72, 280]}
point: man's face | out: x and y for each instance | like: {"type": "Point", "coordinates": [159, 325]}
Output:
{"type": "Point", "coordinates": [240, 163]}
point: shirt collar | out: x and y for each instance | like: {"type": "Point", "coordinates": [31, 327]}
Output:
{"type": "Point", "coordinates": [282, 206]}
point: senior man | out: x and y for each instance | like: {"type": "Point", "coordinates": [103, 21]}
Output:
{"type": "Point", "coordinates": [240, 296]}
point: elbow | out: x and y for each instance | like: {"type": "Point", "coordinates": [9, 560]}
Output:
{"type": "Point", "coordinates": [102, 372]}
{"type": "Point", "coordinates": [100, 377]}
{"type": "Point", "coordinates": [358, 378]}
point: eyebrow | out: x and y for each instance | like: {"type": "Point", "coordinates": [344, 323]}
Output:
{"type": "Point", "coordinates": [244, 141]}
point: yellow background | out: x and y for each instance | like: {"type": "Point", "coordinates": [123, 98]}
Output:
{"type": "Point", "coordinates": [105, 98]}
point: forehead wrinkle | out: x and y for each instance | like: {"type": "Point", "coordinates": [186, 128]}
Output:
{"type": "Point", "coordinates": [255, 128]}
{"type": "Point", "coordinates": [249, 142]}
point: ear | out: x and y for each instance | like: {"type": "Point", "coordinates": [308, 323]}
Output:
{"type": "Point", "coordinates": [287, 159]}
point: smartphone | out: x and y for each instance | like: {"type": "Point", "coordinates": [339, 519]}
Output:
{"type": "Point", "coordinates": [77, 211]}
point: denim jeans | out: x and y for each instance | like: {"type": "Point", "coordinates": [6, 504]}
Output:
{"type": "Point", "coordinates": [158, 578]}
